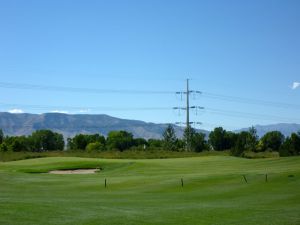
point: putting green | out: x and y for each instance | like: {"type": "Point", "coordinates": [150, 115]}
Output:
{"type": "Point", "coordinates": [150, 191]}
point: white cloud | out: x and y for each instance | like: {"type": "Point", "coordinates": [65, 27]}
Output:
{"type": "Point", "coordinates": [16, 111]}
{"type": "Point", "coordinates": [60, 111]}
{"type": "Point", "coordinates": [295, 85]}
{"type": "Point", "coordinates": [84, 110]}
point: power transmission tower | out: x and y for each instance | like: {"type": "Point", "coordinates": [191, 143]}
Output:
{"type": "Point", "coordinates": [188, 124]}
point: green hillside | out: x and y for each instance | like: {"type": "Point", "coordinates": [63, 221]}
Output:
{"type": "Point", "coordinates": [150, 192]}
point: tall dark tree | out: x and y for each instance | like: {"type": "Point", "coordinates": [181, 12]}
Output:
{"type": "Point", "coordinates": [291, 145]}
{"type": "Point", "coordinates": [80, 141]}
{"type": "Point", "coordinates": [47, 140]}
{"type": "Point", "coordinates": [245, 141]}
{"type": "Point", "coordinates": [252, 139]}
{"type": "Point", "coordinates": [140, 142]}
{"type": "Point", "coordinates": [92, 138]}
{"type": "Point", "coordinates": [1, 136]}
{"type": "Point", "coordinates": [198, 142]}
{"type": "Point", "coordinates": [59, 142]}
{"type": "Point", "coordinates": [3, 147]}
{"type": "Point", "coordinates": [272, 140]}
{"type": "Point", "coordinates": [295, 142]}
{"type": "Point", "coordinates": [18, 143]}
{"type": "Point", "coordinates": [169, 138]}
{"type": "Point", "coordinates": [241, 143]}
{"type": "Point", "coordinates": [180, 144]}
{"type": "Point", "coordinates": [230, 139]}
{"type": "Point", "coordinates": [119, 140]}
{"type": "Point", "coordinates": [217, 139]}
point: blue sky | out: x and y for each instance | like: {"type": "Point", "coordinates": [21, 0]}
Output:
{"type": "Point", "coordinates": [245, 49]}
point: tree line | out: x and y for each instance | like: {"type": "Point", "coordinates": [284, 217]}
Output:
{"type": "Point", "coordinates": [38, 141]}
{"type": "Point", "coordinates": [248, 141]}
{"type": "Point", "coordinates": [218, 140]}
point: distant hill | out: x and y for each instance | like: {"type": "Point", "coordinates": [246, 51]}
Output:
{"type": "Point", "coordinates": [285, 128]}
{"type": "Point", "coordinates": [70, 125]}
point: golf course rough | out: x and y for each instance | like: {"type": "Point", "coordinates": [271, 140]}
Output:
{"type": "Point", "coordinates": [202, 190]}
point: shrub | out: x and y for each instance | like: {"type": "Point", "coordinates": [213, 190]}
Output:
{"type": "Point", "coordinates": [95, 147]}
{"type": "Point", "coordinates": [3, 147]}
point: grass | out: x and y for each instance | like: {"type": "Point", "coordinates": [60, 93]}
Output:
{"type": "Point", "coordinates": [148, 191]}
{"type": "Point", "coordinates": [128, 154]}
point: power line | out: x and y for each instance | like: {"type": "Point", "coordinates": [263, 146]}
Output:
{"type": "Point", "coordinates": [36, 87]}
{"type": "Point", "coordinates": [249, 115]}
{"type": "Point", "coordinates": [250, 101]}
{"type": "Point", "coordinates": [187, 108]}
{"type": "Point", "coordinates": [230, 113]}
{"type": "Point", "coordinates": [104, 108]}
{"type": "Point", "coordinates": [77, 89]}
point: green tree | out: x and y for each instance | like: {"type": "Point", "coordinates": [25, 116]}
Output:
{"type": "Point", "coordinates": [180, 144]}
{"type": "Point", "coordinates": [95, 147]}
{"type": "Point", "coordinates": [169, 138]}
{"type": "Point", "coordinates": [230, 140]}
{"type": "Point", "coordinates": [272, 140]}
{"type": "Point", "coordinates": [241, 144]}
{"type": "Point", "coordinates": [3, 147]}
{"type": "Point", "coordinates": [18, 143]}
{"type": "Point", "coordinates": [80, 141]}
{"type": "Point", "coordinates": [1, 136]}
{"type": "Point", "coordinates": [291, 145]}
{"type": "Point", "coordinates": [140, 142]}
{"type": "Point", "coordinates": [47, 140]}
{"type": "Point", "coordinates": [245, 141]}
{"type": "Point", "coordinates": [252, 139]}
{"type": "Point", "coordinates": [92, 138]}
{"type": "Point", "coordinates": [221, 139]}
{"type": "Point", "coordinates": [59, 142]}
{"type": "Point", "coordinates": [286, 148]}
{"type": "Point", "coordinates": [217, 139]}
{"type": "Point", "coordinates": [295, 142]}
{"type": "Point", "coordinates": [119, 140]}
{"type": "Point", "coordinates": [198, 142]}
{"type": "Point", "coordinates": [155, 144]}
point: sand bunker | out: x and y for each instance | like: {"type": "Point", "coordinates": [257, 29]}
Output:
{"type": "Point", "coordinates": [79, 171]}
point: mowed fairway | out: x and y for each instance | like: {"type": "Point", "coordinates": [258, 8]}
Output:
{"type": "Point", "coordinates": [150, 192]}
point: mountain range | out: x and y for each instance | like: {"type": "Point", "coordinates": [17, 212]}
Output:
{"type": "Point", "coordinates": [71, 124]}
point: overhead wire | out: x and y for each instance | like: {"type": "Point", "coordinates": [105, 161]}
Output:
{"type": "Point", "coordinates": [77, 89]}
{"type": "Point", "coordinates": [104, 108]}
{"type": "Point", "coordinates": [124, 91]}
{"type": "Point", "coordinates": [230, 113]}
{"type": "Point", "coordinates": [250, 101]}
{"type": "Point", "coordinates": [210, 95]}
{"type": "Point", "coordinates": [249, 115]}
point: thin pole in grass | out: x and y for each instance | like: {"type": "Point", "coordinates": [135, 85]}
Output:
{"type": "Point", "coordinates": [245, 179]}
{"type": "Point", "coordinates": [181, 182]}
{"type": "Point", "coordinates": [266, 178]}
{"type": "Point", "coordinates": [105, 182]}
